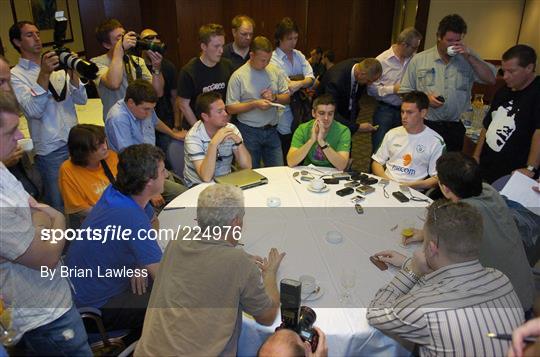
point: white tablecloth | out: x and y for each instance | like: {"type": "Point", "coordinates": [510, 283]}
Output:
{"type": "Point", "coordinates": [299, 227]}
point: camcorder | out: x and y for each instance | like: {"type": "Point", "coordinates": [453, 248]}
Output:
{"type": "Point", "coordinates": [299, 319]}
{"type": "Point", "coordinates": [68, 60]}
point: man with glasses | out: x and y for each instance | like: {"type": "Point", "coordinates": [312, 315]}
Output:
{"type": "Point", "coordinates": [166, 109]}
{"type": "Point", "coordinates": [442, 298]}
{"type": "Point", "coordinates": [394, 62]}
{"type": "Point", "coordinates": [212, 143]}
{"type": "Point", "coordinates": [238, 50]}
{"type": "Point", "coordinates": [446, 73]}
{"type": "Point", "coordinates": [502, 247]}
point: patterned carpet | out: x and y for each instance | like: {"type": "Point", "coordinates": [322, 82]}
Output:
{"type": "Point", "coordinates": [361, 142]}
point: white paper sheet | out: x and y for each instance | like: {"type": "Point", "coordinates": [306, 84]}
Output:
{"type": "Point", "coordinates": [519, 189]}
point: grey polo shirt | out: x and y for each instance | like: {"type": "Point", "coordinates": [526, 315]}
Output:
{"type": "Point", "coordinates": [247, 83]}
{"type": "Point", "coordinates": [428, 73]}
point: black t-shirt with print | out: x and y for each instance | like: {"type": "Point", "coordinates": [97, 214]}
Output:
{"type": "Point", "coordinates": [510, 124]}
{"type": "Point", "coordinates": [196, 78]}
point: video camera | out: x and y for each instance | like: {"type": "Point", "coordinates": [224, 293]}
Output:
{"type": "Point", "coordinates": [299, 319]}
{"type": "Point", "coordinates": [68, 60]}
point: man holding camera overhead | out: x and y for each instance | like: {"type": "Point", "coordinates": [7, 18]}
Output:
{"type": "Point", "coordinates": [117, 68]}
{"type": "Point", "coordinates": [47, 97]}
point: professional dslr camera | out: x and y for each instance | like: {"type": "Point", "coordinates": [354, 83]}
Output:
{"type": "Point", "coordinates": [148, 45]}
{"type": "Point", "coordinates": [294, 317]}
{"type": "Point", "coordinates": [68, 60]}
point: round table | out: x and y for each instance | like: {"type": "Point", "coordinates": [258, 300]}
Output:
{"type": "Point", "coordinates": [299, 227]}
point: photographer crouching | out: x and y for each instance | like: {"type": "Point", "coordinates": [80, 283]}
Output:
{"type": "Point", "coordinates": [47, 97]}
{"type": "Point", "coordinates": [296, 336]}
{"type": "Point", "coordinates": [286, 342]}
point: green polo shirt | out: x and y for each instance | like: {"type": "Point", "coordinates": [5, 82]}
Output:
{"type": "Point", "coordinates": [338, 137]}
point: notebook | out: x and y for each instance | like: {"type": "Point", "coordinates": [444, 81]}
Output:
{"type": "Point", "coordinates": [243, 179]}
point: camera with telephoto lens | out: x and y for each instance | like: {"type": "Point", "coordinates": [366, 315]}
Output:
{"type": "Point", "coordinates": [68, 60]}
{"type": "Point", "coordinates": [148, 45]}
{"type": "Point", "coordinates": [299, 319]}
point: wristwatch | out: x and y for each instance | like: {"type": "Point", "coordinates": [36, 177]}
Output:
{"type": "Point", "coordinates": [238, 144]}
{"type": "Point", "coordinates": [406, 268]}
{"type": "Point", "coordinates": [532, 169]}
{"type": "Point", "coordinates": [156, 72]}
{"type": "Point", "coordinates": [325, 146]}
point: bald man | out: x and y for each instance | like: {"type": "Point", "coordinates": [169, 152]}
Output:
{"type": "Point", "coordinates": [165, 109]}
{"type": "Point", "coordinates": [287, 343]}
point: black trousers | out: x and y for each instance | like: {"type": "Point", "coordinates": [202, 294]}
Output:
{"type": "Point", "coordinates": [452, 132]}
{"type": "Point", "coordinates": [126, 311]}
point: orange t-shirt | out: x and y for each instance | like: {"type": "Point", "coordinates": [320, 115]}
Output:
{"type": "Point", "coordinates": [81, 187]}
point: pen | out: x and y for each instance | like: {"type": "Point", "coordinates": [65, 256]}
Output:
{"type": "Point", "coordinates": [507, 337]}
{"type": "Point", "coordinates": [172, 208]}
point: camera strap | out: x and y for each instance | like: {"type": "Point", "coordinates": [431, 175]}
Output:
{"type": "Point", "coordinates": [62, 96]}
{"type": "Point", "coordinates": [108, 172]}
{"type": "Point", "coordinates": [128, 61]}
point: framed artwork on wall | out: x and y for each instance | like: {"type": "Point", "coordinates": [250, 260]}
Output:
{"type": "Point", "coordinates": [41, 12]}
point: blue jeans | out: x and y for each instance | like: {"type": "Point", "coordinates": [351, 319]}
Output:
{"type": "Point", "coordinates": [65, 336]}
{"type": "Point", "coordinates": [49, 166]}
{"type": "Point", "coordinates": [386, 117]}
{"type": "Point", "coordinates": [262, 144]}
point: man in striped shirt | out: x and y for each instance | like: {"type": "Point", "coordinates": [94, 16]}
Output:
{"type": "Point", "coordinates": [443, 299]}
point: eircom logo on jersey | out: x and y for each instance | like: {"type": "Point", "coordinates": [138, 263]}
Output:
{"type": "Point", "coordinates": [407, 160]}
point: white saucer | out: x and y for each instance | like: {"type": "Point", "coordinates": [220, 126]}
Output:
{"type": "Point", "coordinates": [314, 296]}
{"type": "Point", "coordinates": [322, 190]}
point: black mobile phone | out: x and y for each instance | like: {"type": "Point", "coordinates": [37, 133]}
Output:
{"type": "Point", "coordinates": [400, 196]}
{"type": "Point", "coordinates": [440, 98]}
{"type": "Point", "coordinates": [345, 191]}
{"type": "Point", "coordinates": [352, 184]}
{"type": "Point", "coordinates": [331, 181]}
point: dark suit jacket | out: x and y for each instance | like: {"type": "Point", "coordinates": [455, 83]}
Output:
{"type": "Point", "coordinates": [337, 82]}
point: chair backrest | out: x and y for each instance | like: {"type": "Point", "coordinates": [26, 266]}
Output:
{"type": "Point", "coordinates": [175, 155]}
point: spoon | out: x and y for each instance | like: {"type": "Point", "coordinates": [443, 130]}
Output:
{"type": "Point", "coordinates": [295, 175]}
{"type": "Point", "coordinates": [316, 291]}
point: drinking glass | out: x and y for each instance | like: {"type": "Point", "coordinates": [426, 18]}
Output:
{"type": "Point", "coordinates": [7, 333]}
{"type": "Point", "coordinates": [348, 281]}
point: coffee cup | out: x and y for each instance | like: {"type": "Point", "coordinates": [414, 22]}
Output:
{"type": "Point", "coordinates": [308, 284]}
{"type": "Point", "coordinates": [451, 50]}
{"type": "Point", "coordinates": [26, 144]}
{"type": "Point", "coordinates": [317, 184]}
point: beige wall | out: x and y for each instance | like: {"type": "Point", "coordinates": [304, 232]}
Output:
{"type": "Point", "coordinates": [24, 13]}
{"type": "Point", "coordinates": [493, 25]}
{"type": "Point", "coordinates": [530, 27]}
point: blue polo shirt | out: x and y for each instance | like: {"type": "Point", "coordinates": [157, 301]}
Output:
{"type": "Point", "coordinates": [92, 261]}
{"type": "Point", "coordinates": [123, 129]}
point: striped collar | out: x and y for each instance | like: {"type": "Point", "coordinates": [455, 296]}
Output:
{"type": "Point", "coordinates": [459, 270]}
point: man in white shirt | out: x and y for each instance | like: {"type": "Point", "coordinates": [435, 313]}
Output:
{"type": "Point", "coordinates": [410, 152]}
{"type": "Point", "coordinates": [394, 62]}
{"type": "Point", "coordinates": [212, 142]}
{"type": "Point", "coordinates": [47, 97]}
